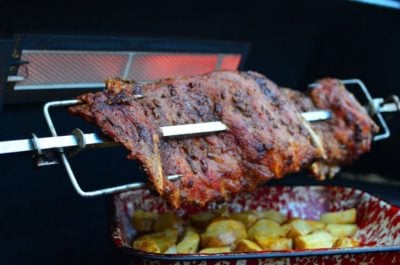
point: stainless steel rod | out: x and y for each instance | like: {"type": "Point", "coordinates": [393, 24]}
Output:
{"type": "Point", "coordinates": [24, 145]}
{"type": "Point", "coordinates": [92, 139]}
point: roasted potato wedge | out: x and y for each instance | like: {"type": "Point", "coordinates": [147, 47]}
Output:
{"type": "Point", "coordinates": [143, 221]}
{"type": "Point", "coordinates": [318, 239]}
{"type": "Point", "coordinates": [346, 242]}
{"type": "Point", "coordinates": [189, 243]}
{"type": "Point", "coordinates": [248, 218]}
{"type": "Point", "coordinates": [341, 217]}
{"type": "Point", "coordinates": [304, 227]}
{"type": "Point", "coordinates": [223, 233]}
{"type": "Point", "coordinates": [215, 250]}
{"type": "Point", "coordinates": [245, 245]}
{"type": "Point", "coordinates": [286, 229]}
{"type": "Point", "coordinates": [202, 220]}
{"type": "Point", "coordinates": [271, 243]}
{"type": "Point", "coordinates": [267, 228]}
{"type": "Point", "coordinates": [220, 231]}
{"type": "Point", "coordinates": [341, 230]}
{"type": "Point", "coordinates": [146, 244]}
{"type": "Point", "coordinates": [168, 221]}
{"type": "Point", "coordinates": [271, 215]}
{"type": "Point", "coordinates": [156, 242]}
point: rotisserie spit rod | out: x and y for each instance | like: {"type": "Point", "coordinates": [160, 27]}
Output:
{"type": "Point", "coordinates": [94, 140]}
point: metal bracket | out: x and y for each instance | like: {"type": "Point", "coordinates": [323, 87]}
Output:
{"type": "Point", "coordinates": [386, 132]}
{"type": "Point", "coordinates": [67, 165]}
{"type": "Point", "coordinates": [43, 158]}
{"type": "Point", "coordinates": [80, 139]}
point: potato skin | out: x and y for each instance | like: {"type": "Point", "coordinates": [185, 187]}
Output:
{"type": "Point", "coordinates": [265, 227]}
{"type": "Point", "coordinates": [146, 244]}
{"type": "Point", "coordinates": [341, 217]}
{"type": "Point", "coordinates": [245, 245]}
{"type": "Point", "coordinates": [346, 242]}
{"type": "Point", "coordinates": [223, 233]}
{"type": "Point", "coordinates": [304, 227]}
{"type": "Point", "coordinates": [272, 215]}
{"type": "Point", "coordinates": [161, 240]}
{"type": "Point", "coordinates": [248, 218]}
{"type": "Point", "coordinates": [270, 243]}
{"type": "Point", "coordinates": [189, 244]}
{"type": "Point", "coordinates": [341, 230]}
{"type": "Point", "coordinates": [318, 239]}
{"type": "Point", "coordinates": [143, 221]}
{"type": "Point", "coordinates": [202, 220]}
{"type": "Point", "coordinates": [168, 221]}
{"type": "Point", "coordinates": [215, 250]}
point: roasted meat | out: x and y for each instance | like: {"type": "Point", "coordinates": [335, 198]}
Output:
{"type": "Point", "coordinates": [344, 137]}
{"type": "Point", "coordinates": [267, 137]}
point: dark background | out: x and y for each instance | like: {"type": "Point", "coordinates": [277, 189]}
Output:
{"type": "Point", "coordinates": [43, 220]}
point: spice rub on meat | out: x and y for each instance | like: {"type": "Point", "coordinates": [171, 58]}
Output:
{"type": "Point", "coordinates": [267, 137]}
{"type": "Point", "coordinates": [344, 137]}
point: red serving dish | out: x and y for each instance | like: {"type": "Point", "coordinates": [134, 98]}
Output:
{"type": "Point", "coordinates": [378, 221]}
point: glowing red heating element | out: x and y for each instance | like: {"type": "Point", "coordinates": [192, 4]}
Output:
{"type": "Point", "coordinates": [230, 62]}
{"type": "Point", "coordinates": [61, 69]}
{"type": "Point", "coordinates": [157, 66]}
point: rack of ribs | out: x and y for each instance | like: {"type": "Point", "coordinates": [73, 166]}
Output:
{"type": "Point", "coordinates": [267, 136]}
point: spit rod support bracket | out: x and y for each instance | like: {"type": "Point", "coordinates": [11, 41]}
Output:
{"type": "Point", "coordinates": [42, 157]}
{"type": "Point", "coordinates": [82, 144]}
{"type": "Point", "coordinates": [382, 122]}
{"type": "Point", "coordinates": [374, 106]}
{"type": "Point", "coordinates": [80, 139]}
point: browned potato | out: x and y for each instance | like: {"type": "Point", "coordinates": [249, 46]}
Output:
{"type": "Point", "coordinates": [286, 229]}
{"type": "Point", "coordinates": [341, 217]}
{"type": "Point", "coordinates": [143, 220]}
{"type": "Point", "coordinates": [248, 218]}
{"type": "Point", "coordinates": [168, 221]}
{"type": "Point", "coordinates": [156, 242]}
{"type": "Point", "coordinates": [202, 220]}
{"type": "Point", "coordinates": [223, 233]}
{"type": "Point", "coordinates": [345, 242]}
{"type": "Point", "coordinates": [317, 225]}
{"type": "Point", "coordinates": [189, 243]}
{"type": "Point", "coordinates": [341, 229]}
{"type": "Point", "coordinates": [318, 239]}
{"type": "Point", "coordinates": [271, 215]}
{"type": "Point", "coordinates": [271, 243]}
{"type": "Point", "coordinates": [265, 227]}
{"type": "Point", "coordinates": [245, 245]}
{"type": "Point", "coordinates": [304, 227]}
{"type": "Point", "coordinates": [146, 244]}
{"type": "Point", "coordinates": [215, 250]}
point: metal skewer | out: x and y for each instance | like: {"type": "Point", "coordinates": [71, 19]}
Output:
{"type": "Point", "coordinates": [94, 140]}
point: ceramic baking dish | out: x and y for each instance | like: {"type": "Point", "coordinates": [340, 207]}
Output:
{"type": "Point", "coordinates": [378, 221]}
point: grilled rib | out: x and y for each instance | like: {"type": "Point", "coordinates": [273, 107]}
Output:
{"type": "Point", "coordinates": [267, 136]}
{"type": "Point", "coordinates": [344, 137]}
